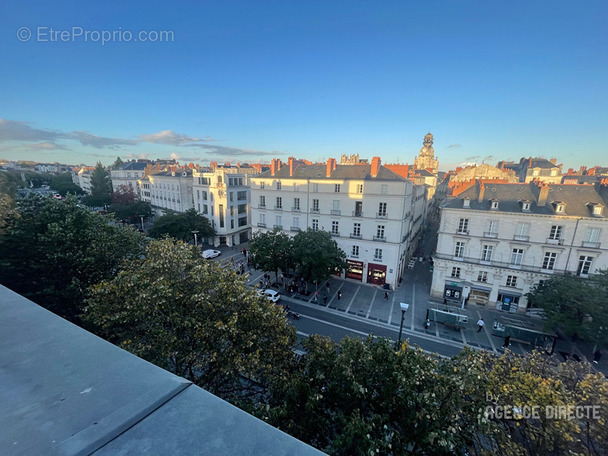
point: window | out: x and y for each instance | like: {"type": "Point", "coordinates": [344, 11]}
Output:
{"type": "Point", "coordinates": [296, 222]}
{"type": "Point", "coordinates": [279, 222]}
{"type": "Point", "coordinates": [482, 276]}
{"type": "Point", "coordinates": [232, 223]}
{"type": "Point", "coordinates": [463, 226]}
{"type": "Point", "coordinates": [204, 195]}
{"type": "Point", "coordinates": [597, 210]}
{"type": "Point", "coordinates": [335, 207]}
{"type": "Point", "coordinates": [359, 188]}
{"type": "Point", "coordinates": [205, 209]}
{"type": "Point", "coordinates": [296, 204]}
{"type": "Point", "coordinates": [522, 231]}
{"type": "Point", "coordinates": [492, 228]}
{"type": "Point", "coordinates": [315, 188]}
{"type": "Point", "coordinates": [549, 260]}
{"type": "Point", "coordinates": [459, 249]}
{"type": "Point", "coordinates": [584, 265]}
{"type": "Point", "coordinates": [335, 227]}
{"type": "Point", "coordinates": [337, 188]}
{"type": "Point", "coordinates": [315, 224]}
{"type": "Point", "coordinates": [198, 195]}
{"type": "Point", "coordinates": [355, 252]}
{"type": "Point", "coordinates": [262, 185]}
{"type": "Point", "coordinates": [456, 273]}
{"type": "Point", "coordinates": [382, 209]}
{"type": "Point", "coordinates": [279, 203]}
{"type": "Point", "coordinates": [231, 196]}
{"type": "Point", "coordinates": [525, 206]}
{"type": "Point", "coordinates": [486, 253]}
{"type": "Point", "coordinates": [511, 281]}
{"type": "Point", "coordinates": [278, 185]}
{"type": "Point", "coordinates": [241, 196]}
{"type": "Point", "coordinates": [357, 229]}
{"type": "Point", "coordinates": [231, 210]}
{"type": "Point", "coordinates": [384, 189]}
{"type": "Point", "coordinates": [556, 232]}
{"type": "Point", "coordinates": [221, 214]}
{"type": "Point", "coordinates": [380, 232]}
{"type": "Point", "coordinates": [517, 256]}
{"type": "Point", "coordinates": [315, 205]}
{"type": "Point", "coordinates": [592, 237]}
{"type": "Point", "coordinates": [242, 208]}
{"type": "Point", "coordinates": [262, 201]}
{"type": "Point", "coordinates": [263, 219]}
{"type": "Point", "coordinates": [378, 254]}
{"type": "Point", "coordinates": [494, 204]}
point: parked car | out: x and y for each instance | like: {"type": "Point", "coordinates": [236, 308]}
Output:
{"type": "Point", "coordinates": [211, 253]}
{"type": "Point", "coordinates": [271, 295]}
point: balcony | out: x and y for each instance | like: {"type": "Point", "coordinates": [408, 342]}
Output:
{"type": "Point", "coordinates": [591, 245]}
{"type": "Point", "coordinates": [555, 241]}
{"type": "Point", "coordinates": [314, 211]}
{"type": "Point", "coordinates": [355, 236]}
{"type": "Point", "coordinates": [295, 229]}
{"type": "Point", "coordinates": [521, 237]}
{"type": "Point", "coordinates": [466, 232]}
{"type": "Point", "coordinates": [278, 208]}
{"type": "Point", "coordinates": [261, 206]}
{"type": "Point", "coordinates": [500, 264]}
{"type": "Point", "coordinates": [295, 209]}
{"type": "Point", "coordinates": [381, 215]}
{"type": "Point", "coordinates": [380, 238]}
{"type": "Point", "coordinates": [278, 226]}
{"type": "Point", "coordinates": [335, 233]}
{"type": "Point", "coordinates": [335, 212]}
{"type": "Point", "coordinates": [490, 234]}
{"type": "Point", "coordinates": [357, 213]}
{"type": "Point", "coordinates": [262, 225]}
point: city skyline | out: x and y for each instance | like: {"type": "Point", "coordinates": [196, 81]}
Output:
{"type": "Point", "coordinates": [233, 83]}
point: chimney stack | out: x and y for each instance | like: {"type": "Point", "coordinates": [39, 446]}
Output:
{"type": "Point", "coordinates": [275, 165]}
{"type": "Point", "coordinates": [553, 160]}
{"type": "Point", "coordinates": [331, 165]}
{"type": "Point", "coordinates": [543, 194]}
{"type": "Point", "coordinates": [291, 166]}
{"type": "Point", "coordinates": [375, 166]}
{"type": "Point", "coordinates": [482, 190]}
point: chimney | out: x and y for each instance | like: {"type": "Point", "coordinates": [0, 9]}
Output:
{"type": "Point", "coordinates": [553, 160]}
{"type": "Point", "coordinates": [375, 166]}
{"type": "Point", "coordinates": [591, 171]}
{"type": "Point", "coordinates": [275, 165]}
{"type": "Point", "coordinates": [543, 194]}
{"type": "Point", "coordinates": [482, 190]}
{"type": "Point", "coordinates": [570, 171]}
{"type": "Point", "coordinates": [331, 165]}
{"type": "Point", "coordinates": [291, 166]}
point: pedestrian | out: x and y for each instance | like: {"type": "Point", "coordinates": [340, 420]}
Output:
{"type": "Point", "coordinates": [386, 295]}
{"type": "Point", "coordinates": [597, 356]}
{"type": "Point", "coordinates": [327, 286]}
{"type": "Point", "coordinates": [324, 299]}
{"type": "Point", "coordinates": [507, 342]}
{"type": "Point", "coordinates": [316, 296]}
{"type": "Point", "coordinates": [339, 295]}
{"type": "Point", "coordinates": [480, 323]}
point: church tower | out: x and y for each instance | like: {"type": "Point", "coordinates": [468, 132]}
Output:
{"type": "Point", "coordinates": [426, 158]}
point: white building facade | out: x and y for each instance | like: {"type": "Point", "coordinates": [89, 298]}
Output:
{"type": "Point", "coordinates": [222, 194]}
{"type": "Point", "coordinates": [497, 241]}
{"type": "Point", "coordinates": [127, 175]}
{"type": "Point", "coordinates": [169, 190]}
{"type": "Point", "coordinates": [366, 208]}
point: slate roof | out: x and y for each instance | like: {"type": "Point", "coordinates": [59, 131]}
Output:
{"type": "Point", "coordinates": [424, 173]}
{"type": "Point", "coordinates": [541, 163]}
{"type": "Point", "coordinates": [134, 166]}
{"type": "Point", "coordinates": [578, 199]}
{"type": "Point", "coordinates": [362, 172]}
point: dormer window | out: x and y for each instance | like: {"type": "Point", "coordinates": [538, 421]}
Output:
{"type": "Point", "coordinates": [596, 209]}
{"type": "Point", "coordinates": [494, 204]}
{"type": "Point", "coordinates": [525, 206]}
{"type": "Point", "coordinates": [560, 207]}
{"type": "Point", "coordinates": [466, 202]}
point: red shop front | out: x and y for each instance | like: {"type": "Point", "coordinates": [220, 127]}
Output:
{"type": "Point", "coordinates": [354, 270]}
{"type": "Point", "coordinates": [376, 273]}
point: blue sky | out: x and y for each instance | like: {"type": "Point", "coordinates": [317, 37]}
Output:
{"type": "Point", "coordinates": [250, 81]}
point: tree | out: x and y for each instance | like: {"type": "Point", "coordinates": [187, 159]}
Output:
{"type": "Point", "coordinates": [131, 212]}
{"type": "Point", "coordinates": [180, 226]}
{"type": "Point", "coordinates": [271, 251]}
{"type": "Point", "coordinates": [63, 184]}
{"type": "Point", "coordinates": [101, 187]}
{"type": "Point", "coordinates": [8, 212]}
{"type": "Point", "coordinates": [53, 250]}
{"type": "Point", "coordinates": [117, 163]}
{"type": "Point", "coordinates": [317, 255]}
{"type": "Point", "coordinates": [196, 319]}
{"type": "Point", "coordinates": [123, 195]}
{"type": "Point", "coordinates": [577, 306]}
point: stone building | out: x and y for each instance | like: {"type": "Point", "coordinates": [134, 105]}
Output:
{"type": "Point", "coordinates": [538, 169]}
{"type": "Point", "coordinates": [426, 159]}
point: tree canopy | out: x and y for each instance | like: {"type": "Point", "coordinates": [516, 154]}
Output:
{"type": "Point", "coordinates": [271, 250]}
{"type": "Point", "coordinates": [63, 184]}
{"type": "Point", "coordinates": [52, 250]}
{"type": "Point", "coordinates": [196, 319]}
{"type": "Point", "coordinates": [180, 226]}
{"type": "Point", "coordinates": [101, 187]}
{"type": "Point", "coordinates": [118, 162]}
{"type": "Point", "coordinates": [317, 255]}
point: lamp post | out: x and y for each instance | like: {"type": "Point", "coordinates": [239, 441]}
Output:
{"type": "Point", "coordinates": [142, 222]}
{"type": "Point", "coordinates": [195, 232]}
{"type": "Point", "coordinates": [404, 308]}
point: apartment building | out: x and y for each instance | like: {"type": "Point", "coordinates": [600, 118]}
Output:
{"type": "Point", "coordinates": [167, 190]}
{"type": "Point", "coordinates": [128, 174]}
{"type": "Point", "coordinates": [497, 240]}
{"type": "Point", "coordinates": [82, 178]}
{"type": "Point", "coordinates": [535, 169]}
{"type": "Point", "coordinates": [222, 194]}
{"type": "Point", "coordinates": [366, 207]}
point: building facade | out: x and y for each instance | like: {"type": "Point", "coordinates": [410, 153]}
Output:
{"type": "Point", "coordinates": [496, 241]}
{"type": "Point", "coordinates": [222, 194]}
{"type": "Point", "coordinates": [127, 175]}
{"type": "Point", "coordinates": [365, 207]}
{"type": "Point", "coordinates": [169, 190]}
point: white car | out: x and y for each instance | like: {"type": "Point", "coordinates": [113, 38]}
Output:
{"type": "Point", "coordinates": [271, 295]}
{"type": "Point", "coordinates": [211, 253]}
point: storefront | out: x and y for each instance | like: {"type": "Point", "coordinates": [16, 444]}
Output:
{"type": "Point", "coordinates": [354, 270]}
{"type": "Point", "coordinates": [479, 295]}
{"type": "Point", "coordinates": [508, 301]}
{"type": "Point", "coordinates": [453, 292]}
{"type": "Point", "coordinates": [376, 274]}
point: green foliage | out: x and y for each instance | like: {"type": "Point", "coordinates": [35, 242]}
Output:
{"type": "Point", "coordinates": [52, 250]}
{"type": "Point", "coordinates": [317, 255]}
{"type": "Point", "coordinates": [578, 306]}
{"type": "Point", "coordinates": [118, 162]}
{"type": "Point", "coordinates": [180, 226]}
{"type": "Point", "coordinates": [196, 319]}
{"type": "Point", "coordinates": [7, 212]}
{"type": "Point", "coordinates": [101, 187]}
{"type": "Point", "coordinates": [63, 184]}
{"type": "Point", "coordinates": [271, 251]}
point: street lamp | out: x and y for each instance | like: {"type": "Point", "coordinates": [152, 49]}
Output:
{"type": "Point", "coordinates": [142, 222]}
{"type": "Point", "coordinates": [195, 232]}
{"type": "Point", "coordinates": [404, 308]}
